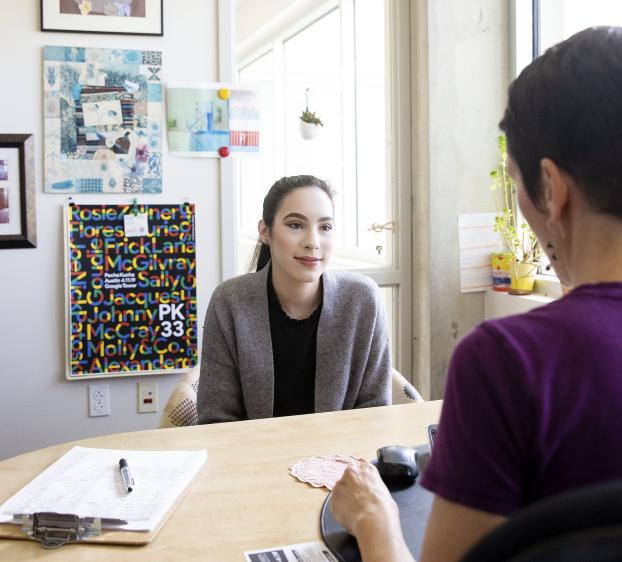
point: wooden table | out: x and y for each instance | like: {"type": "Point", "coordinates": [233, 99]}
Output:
{"type": "Point", "coordinates": [245, 499]}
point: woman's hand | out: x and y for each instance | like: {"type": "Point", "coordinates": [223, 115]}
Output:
{"type": "Point", "coordinates": [361, 501]}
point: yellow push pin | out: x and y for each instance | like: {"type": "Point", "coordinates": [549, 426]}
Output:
{"type": "Point", "coordinates": [224, 93]}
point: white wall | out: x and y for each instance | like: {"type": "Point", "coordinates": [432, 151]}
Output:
{"type": "Point", "coordinates": [469, 70]}
{"type": "Point", "coordinates": [468, 76]}
{"type": "Point", "coordinates": [38, 407]}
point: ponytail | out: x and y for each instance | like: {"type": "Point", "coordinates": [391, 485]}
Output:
{"type": "Point", "coordinates": [261, 257]}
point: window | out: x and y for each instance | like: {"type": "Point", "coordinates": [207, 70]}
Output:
{"type": "Point", "coordinates": [335, 58]}
{"type": "Point", "coordinates": [540, 24]}
{"type": "Point", "coordinates": [559, 19]}
{"type": "Point", "coordinates": [353, 56]}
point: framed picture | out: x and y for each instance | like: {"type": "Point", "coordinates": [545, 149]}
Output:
{"type": "Point", "coordinates": [123, 17]}
{"type": "Point", "coordinates": [17, 192]}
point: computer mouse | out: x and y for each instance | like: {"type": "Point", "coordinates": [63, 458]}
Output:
{"type": "Point", "coordinates": [397, 464]}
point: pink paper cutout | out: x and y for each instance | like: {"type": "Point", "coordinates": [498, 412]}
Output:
{"type": "Point", "coordinates": [323, 471]}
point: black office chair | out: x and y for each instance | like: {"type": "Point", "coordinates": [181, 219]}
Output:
{"type": "Point", "coordinates": [582, 525]}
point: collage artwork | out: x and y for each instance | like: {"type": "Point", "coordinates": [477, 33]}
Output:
{"type": "Point", "coordinates": [103, 120]}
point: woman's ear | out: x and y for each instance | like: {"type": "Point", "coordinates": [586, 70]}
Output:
{"type": "Point", "coordinates": [264, 232]}
{"type": "Point", "coordinates": [555, 188]}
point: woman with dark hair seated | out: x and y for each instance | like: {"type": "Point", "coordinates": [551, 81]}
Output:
{"type": "Point", "coordinates": [533, 401]}
{"type": "Point", "coordinates": [292, 337]}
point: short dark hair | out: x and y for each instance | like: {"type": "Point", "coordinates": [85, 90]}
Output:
{"type": "Point", "coordinates": [271, 204]}
{"type": "Point", "coordinates": [567, 106]}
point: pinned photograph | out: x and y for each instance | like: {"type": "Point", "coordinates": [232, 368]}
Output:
{"type": "Point", "coordinates": [212, 119]}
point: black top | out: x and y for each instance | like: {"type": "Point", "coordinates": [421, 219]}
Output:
{"type": "Point", "coordinates": [294, 344]}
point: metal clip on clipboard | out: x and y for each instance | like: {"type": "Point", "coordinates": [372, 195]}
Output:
{"type": "Point", "coordinates": [53, 530]}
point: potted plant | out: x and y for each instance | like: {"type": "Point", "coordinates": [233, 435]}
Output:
{"type": "Point", "coordinates": [523, 250]}
{"type": "Point", "coordinates": [310, 123]}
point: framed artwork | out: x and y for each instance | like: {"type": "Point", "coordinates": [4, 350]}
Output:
{"type": "Point", "coordinates": [123, 17]}
{"type": "Point", "coordinates": [102, 120]}
{"type": "Point", "coordinates": [17, 192]}
{"type": "Point", "coordinates": [212, 119]}
{"type": "Point", "coordinates": [131, 300]}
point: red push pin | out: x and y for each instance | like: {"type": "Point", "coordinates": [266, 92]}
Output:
{"type": "Point", "coordinates": [224, 151]}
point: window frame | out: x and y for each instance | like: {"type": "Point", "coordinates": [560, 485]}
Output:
{"type": "Point", "coordinates": [350, 256]}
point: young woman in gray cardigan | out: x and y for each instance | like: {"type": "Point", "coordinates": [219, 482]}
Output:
{"type": "Point", "coordinates": [292, 337]}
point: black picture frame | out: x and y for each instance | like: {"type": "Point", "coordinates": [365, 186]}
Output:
{"type": "Point", "coordinates": [27, 237]}
{"type": "Point", "coordinates": [53, 19]}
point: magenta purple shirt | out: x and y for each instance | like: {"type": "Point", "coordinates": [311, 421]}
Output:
{"type": "Point", "coordinates": [533, 405]}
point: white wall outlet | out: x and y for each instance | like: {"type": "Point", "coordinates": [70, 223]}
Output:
{"type": "Point", "coordinates": [99, 400]}
{"type": "Point", "coordinates": [147, 397]}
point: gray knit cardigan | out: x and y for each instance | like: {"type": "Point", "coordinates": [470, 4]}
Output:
{"type": "Point", "coordinates": [353, 367]}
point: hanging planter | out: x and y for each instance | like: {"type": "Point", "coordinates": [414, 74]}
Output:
{"type": "Point", "coordinates": [309, 123]}
{"type": "Point", "coordinates": [308, 130]}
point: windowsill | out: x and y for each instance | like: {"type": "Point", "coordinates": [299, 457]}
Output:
{"type": "Point", "coordinates": [498, 304]}
{"type": "Point", "coordinates": [548, 286]}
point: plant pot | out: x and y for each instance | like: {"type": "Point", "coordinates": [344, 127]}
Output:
{"type": "Point", "coordinates": [523, 278]}
{"type": "Point", "coordinates": [309, 131]}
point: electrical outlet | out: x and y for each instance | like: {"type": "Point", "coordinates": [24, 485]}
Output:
{"type": "Point", "coordinates": [147, 397]}
{"type": "Point", "coordinates": [99, 400]}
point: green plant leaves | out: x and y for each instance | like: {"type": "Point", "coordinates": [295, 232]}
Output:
{"type": "Point", "coordinates": [310, 117]}
{"type": "Point", "coordinates": [517, 236]}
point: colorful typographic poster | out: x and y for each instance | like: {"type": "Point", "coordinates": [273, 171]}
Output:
{"type": "Point", "coordinates": [203, 118]}
{"type": "Point", "coordinates": [131, 289]}
{"type": "Point", "coordinates": [103, 115]}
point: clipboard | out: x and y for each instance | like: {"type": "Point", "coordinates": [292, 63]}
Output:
{"type": "Point", "coordinates": [111, 536]}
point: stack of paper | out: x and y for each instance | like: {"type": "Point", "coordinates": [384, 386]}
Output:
{"type": "Point", "coordinates": [88, 483]}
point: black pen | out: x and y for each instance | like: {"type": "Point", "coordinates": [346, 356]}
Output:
{"type": "Point", "coordinates": [128, 481]}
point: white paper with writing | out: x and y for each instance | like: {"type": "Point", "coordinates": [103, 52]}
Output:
{"type": "Point", "coordinates": [136, 225]}
{"type": "Point", "coordinates": [87, 482]}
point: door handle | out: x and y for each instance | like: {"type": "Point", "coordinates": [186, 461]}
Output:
{"type": "Point", "coordinates": [376, 227]}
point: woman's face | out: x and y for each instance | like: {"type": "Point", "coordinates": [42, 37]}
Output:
{"type": "Point", "coordinates": [301, 237]}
